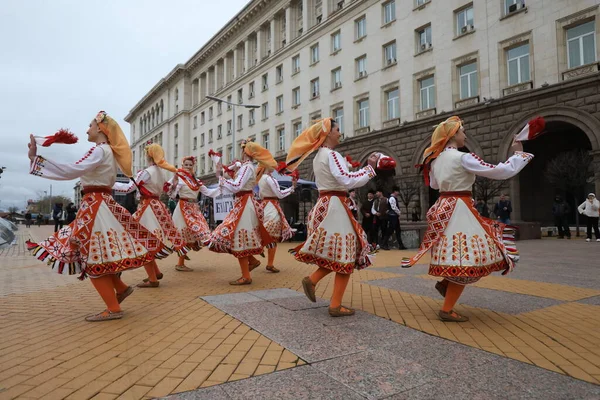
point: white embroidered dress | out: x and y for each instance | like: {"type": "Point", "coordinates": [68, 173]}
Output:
{"type": "Point", "coordinates": [273, 216]}
{"type": "Point", "coordinates": [103, 239]}
{"type": "Point", "coordinates": [465, 246]}
{"type": "Point", "coordinates": [335, 239]}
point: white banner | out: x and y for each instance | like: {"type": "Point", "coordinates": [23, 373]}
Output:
{"type": "Point", "coordinates": [222, 205]}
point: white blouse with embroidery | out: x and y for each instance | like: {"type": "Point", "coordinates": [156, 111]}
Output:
{"type": "Point", "coordinates": [245, 179]}
{"type": "Point", "coordinates": [96, 168]}
{"type": "Point", "coordinates": [269, 187]}
{"type": "Point", "coordinates": [185, 192]}
{"type": "Point", "coordinates": [332, 174]}
{"type": "Point", "coordinates": [455, 171]}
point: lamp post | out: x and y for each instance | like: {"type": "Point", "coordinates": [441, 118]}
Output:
{"type": "Point", "coordinates": [251, 106]}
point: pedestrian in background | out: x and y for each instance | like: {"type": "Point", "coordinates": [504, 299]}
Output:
{"type": "Point", "coordinates": [71, 213]}
{"type": "Point", "coordinates": [560, 210]}
{"type": "Point", "coordinates": [503, 209]}
{"type": "Point", "coordinates": [591, 209]}
{"type": "Point", "coordinates": [58, 216]}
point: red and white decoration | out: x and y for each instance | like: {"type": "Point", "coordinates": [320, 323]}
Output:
{"type": "Point", "coordinates": [63, 136]}
{"type": "Point", "coordinates": [533, 130]}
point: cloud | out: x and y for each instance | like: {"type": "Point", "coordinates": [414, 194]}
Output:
{"type": "Point", "coordinates": [62, 61]}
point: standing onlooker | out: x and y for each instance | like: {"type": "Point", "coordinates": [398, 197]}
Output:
{"type": "Point", "coordinates": [503, 209]}
{"type": "Point", "coordinates": [560, 210]}
{"type": "Point", "coordinates": [71, 213]}
{"type": "Point", "coordinates": [353, 203]}
{"type": "Point", "coordinates": [27, 219]}
{"type": "Point", "coordinates": [380, 211]}
{"type": "Point", "coordinates": [39, 219]}
{"type": "Point", "coordinates": [367, 217]}
{"type": "Point", "coordinates": [591, 209]}
{"type": "Point", "coordinates": [394, 214]}
{"type": "Point", "coordinates": [482, 208]}
{"type": "Point", "coordinates": [57, 216]}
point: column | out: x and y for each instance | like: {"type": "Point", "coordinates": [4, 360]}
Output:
{"type": "Point", "coordinates": [226, 69]}
{"type": "Point", "coordinates": [235, 62]}
{"type": "Point", "coordinates": [305, 14]}
{"type": "Point", "coordinates": [288, 24]}
{"type": "Point", "coordinates": [216, 77]}
{"type": "Point", "coordinates": [325, 7]}
{"type": "Point", "coordinates": [259, 44]}
{"type": "Point", "coordinates": [247, 55]}
{"type": "Point", "coordinates": [273, 36]}
{"type": "Point", "coordinates": [515, 198]}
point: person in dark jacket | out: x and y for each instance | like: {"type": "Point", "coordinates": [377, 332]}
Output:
{"type": "Point", "coordinates": [503, 209]}
{"type": "Point", "coordinates": [367, 216]}
{"type": "Point", "coordinates": [380, 210]}
{"type": "Point", "coordinates": [560, 210]}
{"type": "Point", "coordinates": [27, 219]}
{"type": "Point", "coordinates": [482, 208]}
{"type": "Point", "coordinates": [71, 213]}
{"type": "Point", "coordinates": [58, 216]}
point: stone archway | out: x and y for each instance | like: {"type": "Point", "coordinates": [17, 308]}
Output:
{"type": "Point", "coordinates": [567, 129]}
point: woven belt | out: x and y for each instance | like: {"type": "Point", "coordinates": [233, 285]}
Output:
{"type": "Point", "coordinates": [456, 194]}
{"type": "Point", "coordinates": [337, 193]}
{"type": "Point", "coordinates": [243, 193]}
{"type": "Point", "coordinates": [96, 189]}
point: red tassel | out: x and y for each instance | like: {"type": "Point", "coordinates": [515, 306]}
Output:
{"type": "Point", "coordinates": [536, 126]}
{"type": "Point", "coordinates": [214, 153]}
{"type": "Point", "coordinates": [62, 136]}
{"type": "Point", "coordinates": [295, 175]}
{"type": "Point", "coordinates": [281, 167]}
{"type": "Point", "coordinates": [166, 187]}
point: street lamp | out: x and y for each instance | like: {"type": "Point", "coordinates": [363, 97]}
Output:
{"type": "Point", "coordinates": [233, 145]}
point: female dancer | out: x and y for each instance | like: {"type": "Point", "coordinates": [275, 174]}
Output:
{"type": "Point", "coordinates": [336, 241]}
{"type": "Point", "coordinates": [464, 246]}
{"type": "Point", "coordinates": [272, 214]}
{"type": "Point", "coordinates": [103, 240]}
{"type": "Point", "coordinates": [152, 213]}
{"type": "Point", "coordinates": [187, 217]}
{"type": "Point", "coordinates": [242, 232]}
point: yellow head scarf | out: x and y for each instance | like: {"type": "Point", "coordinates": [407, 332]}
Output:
{"type": "Point", "coordinates": [441, 135]}
{"type": "Point", "coordinates": [117, 141]}
{"type": "Point", "coordinates": [307, 142]}
{"type": "Point", "coordinates": [157, 154]}
{"type": "Point", "coordinates": [260, 154]}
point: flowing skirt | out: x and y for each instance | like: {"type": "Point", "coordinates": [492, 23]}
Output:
{"type": "Point", "coordinates": [242, 232]}
{"type": "Point", "coordinates": [274, 220]}
{"type": "Point", "coordinates": [104, 239]}
{"type": "Point", "coordinates": [190, 223]}
{"type": "Point", "coordinates": [153, 215]}
{"type": "Point", "coordinates": [335, 240]}
{"type": "Point", "coordinates": [464, 245]}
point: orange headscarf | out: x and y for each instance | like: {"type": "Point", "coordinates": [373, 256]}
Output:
{"type": "Point", "coordinates": [117, 141]}
{"type": "Point", "coordinates": [307, 142]}
{"type": "Point", "coordinates": [157, 154]}
{"type": "Point", "coordinates": [261, 155]}
{"type": "Point", "coordinates": [441, 135]}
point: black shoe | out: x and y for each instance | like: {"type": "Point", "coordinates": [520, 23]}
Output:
{"type": "Point", "coordinates": [385, 248]}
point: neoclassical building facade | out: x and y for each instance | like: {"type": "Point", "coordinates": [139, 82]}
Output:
{"type": "Point", "coordinates": [388, 71]}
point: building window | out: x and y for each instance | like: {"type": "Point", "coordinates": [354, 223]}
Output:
{"type": "Point", "coordinates": [464, 20]}
{"type": "Point", "coordinates": [360, 27]}
{"type": "Point", "coordinates": [314, 88]}
{"type": "Point", "coordinates": [265, 139]}
{"type": "Point", "coordinates": [240, 122]}
{"type": "Point", "coordinates": [518, 64]}
{"type": "Point", "coordinates": [336, 78]}
{"type": "Point", "coordinates": [219, 132]}
{"type": "Point", "coordinates": [265, 81]}
{"type": "Point", "coordinates": [389, 12]}
{"type": "Point", "coordinates": [176, 134]}
{"type": "Point", "coordinates": [363, 113]}
{"type": "Point", "coordinates": [240, 94]}
{"type": "Point", "coordinates": [314, 54]}
{"type": "Point", "coordinates": [361, 67]}
{"type": "Point", "coordinates": [229, 99]}
{"type": "Point", "coordinates": [421, 2]}
{"type": "Point", "coordinates": [279, 104]}
{"type": "Point", "coordinates": [210, 114]}
{"type": "Point", "coordinates": [581, 44]}
{"type": "Point", "coordinates": [195, 143]}
{"type": "Point", "coordinates": [279, 73]}
{"type": "Point", "coordinates": [392, 99]}
{"type": "Point", "coordinates": [229, 153]}
{"type": "Point", "coordinates": [202, 165]}
{"type": "Point", "coordinates": [513, 5]}
{"type": "Point", "coordinates": [297, 129]}
{"type": "Point", "coordinates": [210, 136]}
{"type": "Point", "coordinates": [175, 152]}
{"type": "Point", "coordinates": [219, 108]}
{"type": "Point", "coordinates": [296, 96]}
{"type": "Point", "coordinates": [229, 129]}
{"type": "Point", "coordinates": [424, 39]}
{"type": "Point", "coordinates": [389, 53]}
{"type": "Point", "coordinates": [281, 139]}
{"type": "Point", "coordinates": [336, 42]}
{"type": "Point", "coordinates": [295, 64]}
{"type": "Point", "coordinates": [195, 121]}
{"type": "Point", "coordinates": [427, 93]}
{"type": "Point", "coordinates": [469, 86]}
{"type": "Point", "coordinates": [202, 118]}
{"type": "Point", "coordinates": [265, 110]}
{"type": "Point", "coordinates": [251, 90]}
{"type": "Point", "coordinates": [251, 117]}
{"type": "Point", "coordinates": [202, 140]}
{"type": "Point", "coordinates": [338, 116]}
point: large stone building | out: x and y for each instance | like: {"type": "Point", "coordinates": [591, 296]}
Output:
{"type": "Point", "coordinates": [388, 71]}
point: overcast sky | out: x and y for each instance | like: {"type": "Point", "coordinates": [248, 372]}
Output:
{"type": "Point", "coordinates": [63, 61]}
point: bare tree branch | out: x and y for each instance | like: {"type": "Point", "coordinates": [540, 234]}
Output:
{"type": "Point", "coordinates": [487, 189]}
{"type": "Point", "coordinates": [409, 190]}
{"type": "Point", "coordinates": [570, 170]}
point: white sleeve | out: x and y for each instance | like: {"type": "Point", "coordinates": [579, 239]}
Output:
{"type": "Point", "coordinates": [173, 189]}
{"type": "Point", "coordinates": [49, 169]}
{"type": "Point", "coordinates": [474, 164]}
{"type": "Point", "coordinates": [272, 182]}
{"type": "Point", "coordinates": [229, 186]}
{"type": "Point", "coordinates": [142, 177]}
{"type": "Point", "coordinates": [581, 207]}
{"type": "Point", "coordinates": [350, 180]}
{"type": "Point", "coordinates": [373, 210]}
{"type": "Point", "coordinates": [210, 192]}
{"type": "Point", "coordinates": [394, 205]}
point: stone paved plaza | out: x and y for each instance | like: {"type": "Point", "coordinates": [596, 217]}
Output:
{"type": "Point", "coordinates": [532, 335]}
